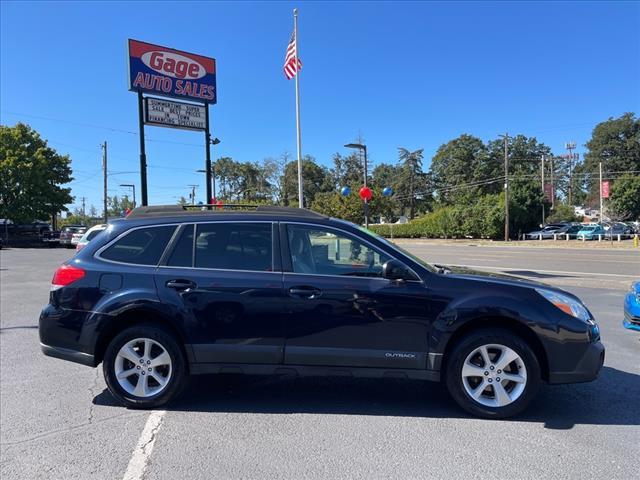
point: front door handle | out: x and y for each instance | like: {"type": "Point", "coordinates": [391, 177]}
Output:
{"type": "Point", "coordinates": [181, 284]}
{"type": "Point", "coordinates": [305, 292]}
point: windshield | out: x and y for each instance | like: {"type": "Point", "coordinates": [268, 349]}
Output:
{"type": "Point", "coordinates": [395, 246]}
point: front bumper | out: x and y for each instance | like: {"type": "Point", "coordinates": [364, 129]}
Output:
{"type": "Point", "coordinates": [587, 368]}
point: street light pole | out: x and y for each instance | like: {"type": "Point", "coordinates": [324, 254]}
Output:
{"type": "Point", "coordinates": [363, 148]}
{"type": "Point", "coordinates": [133, 187]}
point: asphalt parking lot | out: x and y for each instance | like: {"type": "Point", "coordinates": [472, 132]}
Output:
{"type": "Point", "coordinates": [57, 420]}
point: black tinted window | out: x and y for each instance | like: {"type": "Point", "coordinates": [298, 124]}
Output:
{"type": "Point", "coordinates": [240, 246]}
{"type": "Point", "coordinates": [143, 246]}
{"type": "Point", "coordinates": [182, 255]}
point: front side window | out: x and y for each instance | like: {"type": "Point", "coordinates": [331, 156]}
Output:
{"type": "Point", "coordinates": [319, 251]}
{"type": "Point", "coordinates": [234, 246]}
{"type": "Point", "coordinates": [143, 246]}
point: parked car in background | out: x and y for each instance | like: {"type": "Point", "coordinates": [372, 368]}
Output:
{"type": "Point", "coordinates": [632, 307]}
{"type": "Point", "coordinates": [571, 230]}
{"type": "Point", "coordinates": [618, 229]}
{"type": "Point", "coordinates": [546, 232]}
{"type": "Point", "coordinates": [76, 236]}
{"type": "Point", "coordinates": [66, 234]}
{"type": "Point", "coordinates": [591, 232]}
{"type": "Point", "coordinates": [165, 293]}
{"type": "Point", "coordinates": [89, 235]}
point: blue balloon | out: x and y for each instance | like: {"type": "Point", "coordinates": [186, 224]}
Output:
{"type": "Point", "coordinates": [387, 192]}
{"type": "Point", "coordinates": [345, 191]}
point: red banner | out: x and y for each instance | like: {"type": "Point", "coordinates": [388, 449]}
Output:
{"type": "Point", "coordinates": [605, 189]}
{"type": "Point", "coordinates": [548, 191]}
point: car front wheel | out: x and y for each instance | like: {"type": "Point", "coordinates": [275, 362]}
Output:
{"type": "Point", "coordinates": [493, 373]}
{"type": "Point", "coordinates": [144, 367]}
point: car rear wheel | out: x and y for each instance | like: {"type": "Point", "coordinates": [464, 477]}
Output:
{"type": "Point", "coordinates": [492, 373]}
{"type": "Point", "coordinates": [144, 367]}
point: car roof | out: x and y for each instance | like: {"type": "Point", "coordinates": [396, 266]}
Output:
{"type": "Point", "coordinates": [198, 213]}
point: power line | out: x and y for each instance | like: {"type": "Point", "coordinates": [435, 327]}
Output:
{"type": "Point", "coordinates": [99, 127]}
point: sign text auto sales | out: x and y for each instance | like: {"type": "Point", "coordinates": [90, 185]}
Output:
{"type": "Point", "coordinates": [168, 72]}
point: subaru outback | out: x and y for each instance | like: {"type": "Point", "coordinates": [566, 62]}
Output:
{"type": "Point", "coordinates": [170, 292]}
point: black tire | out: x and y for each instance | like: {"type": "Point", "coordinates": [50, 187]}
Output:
{"type": "Point", "coordinates": [455, 383]}
{"type": "Point", "coordinates": [176, 380]}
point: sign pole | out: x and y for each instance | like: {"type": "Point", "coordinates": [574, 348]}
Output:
{"type": "Point", "coordinates": [299, 138]}
{"type": "Point", "coordinates": [207, 139]}
{"type": "Point", "coordinates": [143, 155]}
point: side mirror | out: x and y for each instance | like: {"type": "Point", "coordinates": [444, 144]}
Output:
{"type": "Point", "coordinates": [395, 270]}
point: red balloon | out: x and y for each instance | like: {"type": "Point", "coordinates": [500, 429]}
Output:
{"type": "Point", "coordinates": [219, 204]}
{"type": "Point", "coordinates": [366, 193]}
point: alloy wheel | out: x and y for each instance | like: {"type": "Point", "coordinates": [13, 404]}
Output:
{"type": "Point", "coordinates": [143, 367]}
{"type": "Point", "coordinates": [494, 375]}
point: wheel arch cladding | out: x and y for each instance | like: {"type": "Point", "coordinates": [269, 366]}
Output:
{"type": "Point", "coordinates": [135, 317]}
{"type": "Point", "coordinates": [508, 324]}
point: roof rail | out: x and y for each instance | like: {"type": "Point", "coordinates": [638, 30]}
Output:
{"type": "Point", "coordinates": [175, 210]}
{"type": "Point", "coordinates": [289, 211]}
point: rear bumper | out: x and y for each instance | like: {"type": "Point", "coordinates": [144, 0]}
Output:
{"type": "Point", "coordinates": [587, 368]}
{"type": "Point", "coordinates": [68, 354]}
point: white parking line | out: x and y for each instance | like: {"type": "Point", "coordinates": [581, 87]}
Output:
{"type": "Point", "coordinates": [140, 457]}
{"type": "Point", "coordinates": [536, 270]}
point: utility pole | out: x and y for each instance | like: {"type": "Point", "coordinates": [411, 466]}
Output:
{"type": "Point", "coordinates": [506, 187]}
{"type": "Point", "coordinates": [570, 146]}
{"type": "Point", "coordinates": [543, 192]}
{"type": "Point", "coordinates": [84, 215]}
{"type": "Point", "coordinates": [104, 172]}
{"type": "Point", "coordinates": [192, 195]}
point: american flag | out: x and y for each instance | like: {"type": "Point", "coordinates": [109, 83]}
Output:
{"type": "Point", "coordinates": [290, 68]}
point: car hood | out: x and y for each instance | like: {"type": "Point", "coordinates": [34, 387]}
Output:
{"type": "Point", "coordinates": [493, 277]}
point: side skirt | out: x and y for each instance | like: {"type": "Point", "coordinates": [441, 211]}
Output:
{"type": "Point", "coordinates": [312, 371]}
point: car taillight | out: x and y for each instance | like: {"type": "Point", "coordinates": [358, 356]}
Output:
{"type": "Point", "coordinates": [66, 275]}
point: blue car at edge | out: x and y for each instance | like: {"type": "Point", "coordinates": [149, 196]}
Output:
{"type": "Point", "coordinates": [632, 307]}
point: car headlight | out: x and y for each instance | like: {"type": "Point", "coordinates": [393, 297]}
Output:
{"type": "Point", "coordinates": [567, 304]}
{"type": "Point", "coordinates": [634, 290]}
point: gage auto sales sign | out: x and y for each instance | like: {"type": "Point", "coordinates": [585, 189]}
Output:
{"type": "Point", "coordinates": [168, 72]}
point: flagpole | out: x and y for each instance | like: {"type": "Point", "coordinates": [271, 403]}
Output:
{"type": "Point", "coordinates": [295, 33]}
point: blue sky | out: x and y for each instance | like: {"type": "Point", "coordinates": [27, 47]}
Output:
{"type": "Point", "coordinates": [400, 74]}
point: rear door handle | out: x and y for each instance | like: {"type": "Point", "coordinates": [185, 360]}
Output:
{"type": "Point", "coordinates": [305, 292]}
{"type": "Point", "coordinates": [181, 284]}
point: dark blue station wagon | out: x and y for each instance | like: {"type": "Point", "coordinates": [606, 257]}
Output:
{"type": "Point", "coordinates": [167, 293]}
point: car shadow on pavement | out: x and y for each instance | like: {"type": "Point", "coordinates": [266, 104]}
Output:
{"type": "Point", "coordinates": [610, 400]}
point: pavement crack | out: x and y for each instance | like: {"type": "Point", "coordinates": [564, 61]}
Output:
{"type": "Point", "coordinates": [64, 430]}
{"type": "Point", "coordinates": [92, 392]}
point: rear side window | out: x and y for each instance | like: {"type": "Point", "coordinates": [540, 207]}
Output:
{"type": "Point", "coordinates": [143, 246]}
{"type": "Point", "coordinates": [234, 246]}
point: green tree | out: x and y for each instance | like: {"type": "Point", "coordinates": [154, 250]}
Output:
{"type": "Point", "coordinates": [347, 170]}
{"type": "Point", "coordinates": [116, 205]}
{"type": "Point", "coordinates": [315, 179]}
{"type": "Point", "coordinates": [616, 143]}
{"type": "Point", "coordinates": [32, 174]}
{"type": "Point", "coordinates": [563, 213]}
{"type": "Point", "coordinates": [625, 198]}
{"type": "Point", "coordinates": [351, 207]}
{"type": "Point", "coordinates": [413, 186]}
{"type": "Point", "coordinates": [461, 168]}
